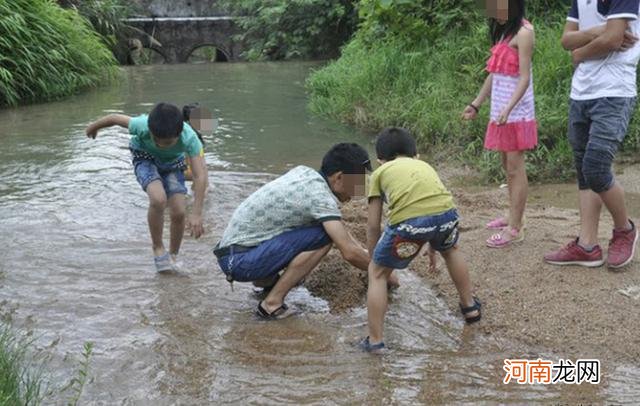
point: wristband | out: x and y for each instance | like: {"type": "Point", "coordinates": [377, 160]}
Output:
{"type": "Point", "coordinates": [474, 107]}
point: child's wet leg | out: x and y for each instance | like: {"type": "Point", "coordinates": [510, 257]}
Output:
{"type": "Point", "coordinates": [155, 215]}
{"type": "Point", "coordinates": [459, 273]}
{"type": "Point", "coordinates": [377, 299]}
{"type": "Point", "coordinates": [177, 207]}
{"type": "Point", "coordinates": [298, 268]}
{"type": "Point", "coordinates": [393, 280]}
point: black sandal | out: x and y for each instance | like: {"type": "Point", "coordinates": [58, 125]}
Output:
{"type": "Point", "coordinates": [280, 313]}
{"type": "Point", "coordinates": [476, 307]}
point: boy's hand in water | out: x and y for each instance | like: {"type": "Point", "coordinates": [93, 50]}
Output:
{"type": "Point", "coordinates": [91, 131]}
{"type": "Point", "coordinates": [194, 223]}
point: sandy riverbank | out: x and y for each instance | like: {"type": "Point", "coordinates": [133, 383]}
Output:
{"type": "Point", "coordinates": [573, 311]}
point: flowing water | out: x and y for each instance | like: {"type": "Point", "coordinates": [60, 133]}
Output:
{"type": "Point", "coordinates": [77, 266]}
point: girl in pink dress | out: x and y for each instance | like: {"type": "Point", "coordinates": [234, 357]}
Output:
{"type": "Point", "coordinates": [512, 126]}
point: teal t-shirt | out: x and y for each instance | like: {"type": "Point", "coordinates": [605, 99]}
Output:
{"type": "Point", "coordinates": [142, 140]}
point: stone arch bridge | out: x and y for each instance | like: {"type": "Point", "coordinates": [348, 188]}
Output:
{"type": "Point", "coordinates": [175, 38]}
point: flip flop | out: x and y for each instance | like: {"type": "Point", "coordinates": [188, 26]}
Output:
{"type": "Point", "coordinates": [280, 313]}
{"type": "Point", "coordinates": [497, 223]}
{"type": "Point", "coordinates": [500, 223]}
{"type": "Point", "coordinates": [466, 310]}
{"type": "Point", "coordinates": [505, 238]}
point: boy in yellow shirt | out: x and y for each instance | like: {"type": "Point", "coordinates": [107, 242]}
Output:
{"type": "Point", "coordinates": [421, 210]}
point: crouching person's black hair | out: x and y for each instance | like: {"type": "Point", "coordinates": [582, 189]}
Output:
{"type": "Point", "coordinates": [348, 158]}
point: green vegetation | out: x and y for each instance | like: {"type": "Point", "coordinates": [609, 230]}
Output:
{"type": "Point", "coordinates": [22, 379]}
{"type": "Point", "coordinates": [78, 382]}
{"type": "Point", "coordinates": [106, 18]}
{"type": "Point", "coordinates": [417, 64]}
{"type": "Point", "coordinates": [19, 383]}
{"type": "Point", "coordinates": [47, 52]}
{"type": "Point", "coordinates": [287, 29]}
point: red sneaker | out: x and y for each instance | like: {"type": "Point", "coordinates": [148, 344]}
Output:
{"type": "Point", "coordinates": [622, 247]}
{"type": "Point", "coordinates": [574, 254]}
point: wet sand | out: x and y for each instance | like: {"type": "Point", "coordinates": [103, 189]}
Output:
{"type": "Point", "coordinates": [572, 312]}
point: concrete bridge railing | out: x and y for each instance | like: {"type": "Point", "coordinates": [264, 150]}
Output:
{"type": "Point", "coordinates": [175, 38]}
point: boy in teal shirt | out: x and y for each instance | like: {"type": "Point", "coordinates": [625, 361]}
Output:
{"type": "Point", "coordinates": [421, 210]}
{"type": "Point", "coordinates": [158, 146]}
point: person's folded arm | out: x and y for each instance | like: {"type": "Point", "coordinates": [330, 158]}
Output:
{"type": "Point", "coordinates": [573, 38]}
{"type": "Point", "coordinates": [610, 40]}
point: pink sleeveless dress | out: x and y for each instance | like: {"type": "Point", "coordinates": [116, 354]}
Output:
{"type": "Point", "coordinates": [521, 130]}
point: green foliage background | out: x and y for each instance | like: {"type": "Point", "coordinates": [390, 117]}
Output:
{"type": "Point", "coordinates": [106, 18]}
{"type": "Point", "coordinates": [288, 29]}
{"type": "Point", "coordinates": [417, 64]}
{"type": "Point", "coordinates": [47, 52]}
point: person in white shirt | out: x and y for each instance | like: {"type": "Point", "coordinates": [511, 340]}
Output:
{"type": "Point", "coordinates": [602, 38]}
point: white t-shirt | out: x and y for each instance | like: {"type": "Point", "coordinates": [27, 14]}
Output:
{"type": "Point", "coordinates": [615, 74]}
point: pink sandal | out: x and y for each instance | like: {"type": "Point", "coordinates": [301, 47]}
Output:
{"type": "Point", "coordinates": [497, 223]}
{"type": "Point", "coordinates": [505, 238]}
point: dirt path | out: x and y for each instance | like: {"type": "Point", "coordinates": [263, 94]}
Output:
{"type": "Point", "coordinates": [573, 311]}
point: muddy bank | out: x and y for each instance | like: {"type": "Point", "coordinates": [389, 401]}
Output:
{"type": "Point", "coordinates": [573, 312]}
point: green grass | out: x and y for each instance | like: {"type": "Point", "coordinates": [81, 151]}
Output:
{"type": "Point", "coordinates": [47, 52]}
{"type": "Point", "coordinates": [78, 382]}
{"type": "Point", "coordinates": [424, 87]}
{"type": "Point", "coordinates": [22, 375]}
{"type": "Point", "coordinates": [20, 382]}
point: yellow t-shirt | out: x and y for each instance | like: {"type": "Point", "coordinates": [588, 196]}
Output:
{"type": "Point", "coordinates": [411, 188]}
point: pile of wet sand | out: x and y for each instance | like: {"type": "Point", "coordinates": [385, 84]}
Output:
{"type": "Point", "coordinates": [573, 311]}
{"type": "Point", "coordinates": [335, 280]}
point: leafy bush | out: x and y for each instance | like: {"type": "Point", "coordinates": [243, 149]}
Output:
{"type": "Point", "coordinates": [106, 18]}
{"type": "Point", "coordinates": [286, 29]}
{"type": "Point", "coordinates": [413, 21]}
{"type": "Point", "coordinates": [47, 52]}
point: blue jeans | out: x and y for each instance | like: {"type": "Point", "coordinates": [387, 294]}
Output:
{"type": "Point", "coordinates": [148, 169]}
{"type": "Point", "coordinates": [246, 264]}
{"type": "Point", "coordinates": [596, 130]}
{"type": "Point", "coordinates": [401, 242]}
